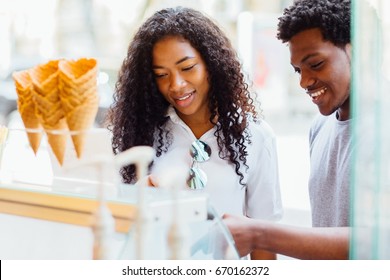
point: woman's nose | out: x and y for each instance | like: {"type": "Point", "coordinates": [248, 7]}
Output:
{"type": "Point", "coordinates": [176, 83]}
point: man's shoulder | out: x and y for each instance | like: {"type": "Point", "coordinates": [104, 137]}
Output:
{"type": "Point", "coordinates": [318, 121]}
{"type": "Point", "coordinates": [318, 124]}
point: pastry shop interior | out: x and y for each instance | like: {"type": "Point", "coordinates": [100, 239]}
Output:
{"type": "Point", "coordinates": [61, 193]}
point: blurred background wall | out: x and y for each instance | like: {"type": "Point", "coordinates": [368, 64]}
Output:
{"type": "Point", "coordinates": [36, 31]}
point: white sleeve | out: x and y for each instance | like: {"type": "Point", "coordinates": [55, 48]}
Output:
{"type": "Point", "coordinates": [263, 198]}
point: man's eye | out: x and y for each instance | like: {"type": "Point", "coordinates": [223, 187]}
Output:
{"type": "Point", "coordinates": [297, 70]}
{"type": "Point", "coordinates": [317, 65]}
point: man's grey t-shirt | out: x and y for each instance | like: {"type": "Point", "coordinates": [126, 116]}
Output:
{"type": "Point", "coordinates": [330, 164]}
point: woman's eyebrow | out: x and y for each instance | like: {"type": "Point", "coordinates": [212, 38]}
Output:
{"type": "Point", "coordinates": [183, 59]}
{"type": "Point", "coordinates": [177, 62]}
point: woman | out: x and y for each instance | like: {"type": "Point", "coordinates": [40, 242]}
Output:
{"type": "Point", "coordinates": [181, 90]}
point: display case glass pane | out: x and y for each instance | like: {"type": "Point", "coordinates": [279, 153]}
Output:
{"type": "Point", "coordinates": [371, 100]}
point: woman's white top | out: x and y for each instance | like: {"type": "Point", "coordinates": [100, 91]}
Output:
{"type": "Point", "coordinates": [261, 196]}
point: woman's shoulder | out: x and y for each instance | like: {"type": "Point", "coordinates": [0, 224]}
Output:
{"type": "Point", "coordinates": [260, 130]}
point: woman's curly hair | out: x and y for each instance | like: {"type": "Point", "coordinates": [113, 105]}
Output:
{"type": "Point", "coordinates": [138, 114]}
{"type": "Point", "coordinates": [332, 17]}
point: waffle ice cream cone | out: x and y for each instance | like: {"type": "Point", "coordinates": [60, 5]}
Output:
{"type": "Point", "coordinates": [49, 110]}
{"type": "Point", "coordinates": [79, 120]}
{"type": "Point", "coordinates": [79, 97]}
{"type": "Point", "coordinates": [26, 107]}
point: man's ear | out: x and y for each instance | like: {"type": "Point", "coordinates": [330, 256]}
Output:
{"type": "Point", "coordinates": [348, 50]}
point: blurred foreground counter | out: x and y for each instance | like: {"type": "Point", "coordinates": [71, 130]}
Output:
{"type": "Point", "coordinates": [48, 225]}
{"type": "Point", "coordinates": [63, 208]}
{"type": "Point", "coordinates": [81, 211]}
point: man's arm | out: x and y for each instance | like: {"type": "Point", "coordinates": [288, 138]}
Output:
{"type": "Point", "coordinates": [262, 255]}
{"type": "Point", "coordinates": [297, 242]}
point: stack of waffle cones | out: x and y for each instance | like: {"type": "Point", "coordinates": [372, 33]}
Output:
{"type": "Point", "coordinates": [48, 106]}
{"type": "Point", "coordinates": [26, 107]}
{"type": "Point", "coordinates": [78, 93]}
{"type": "Point", "coordinates": [58, 95]}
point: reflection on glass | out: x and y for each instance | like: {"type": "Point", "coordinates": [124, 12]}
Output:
{"type": "Point", "coordinates": [206, 238]}
{"type": "Point", "coordinates": [371, 100]}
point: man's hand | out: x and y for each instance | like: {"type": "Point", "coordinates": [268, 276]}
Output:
{"type": "Point", "coordinates": [242, 232]}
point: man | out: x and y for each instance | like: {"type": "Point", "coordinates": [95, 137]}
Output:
{"type": "Point", "coordinates": [318, 35]}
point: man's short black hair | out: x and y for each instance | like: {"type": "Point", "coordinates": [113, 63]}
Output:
{"type": "Point", "coordinates": [332, 17]}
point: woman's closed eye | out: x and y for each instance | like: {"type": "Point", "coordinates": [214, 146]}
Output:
{"type": "Point", "coordinates": [159, 75]}
{"type": "Point", "coordinates": [188, 68]}
{"type": "Point", "coordinates": [162, 75]}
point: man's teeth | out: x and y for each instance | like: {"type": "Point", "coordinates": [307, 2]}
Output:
{"type": "Point", "coordinates": [318, 93]}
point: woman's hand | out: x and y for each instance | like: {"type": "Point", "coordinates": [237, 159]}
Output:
{"type": "Point", "coordinates": [149, 180]}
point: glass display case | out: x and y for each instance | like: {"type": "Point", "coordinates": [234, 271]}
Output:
{"type": "Point", "coordinates": [80, 210]}
{"type": "Point", "coordinates": [371, 101]}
